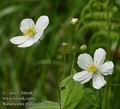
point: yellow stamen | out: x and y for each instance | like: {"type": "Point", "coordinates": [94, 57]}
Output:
{"type": "Point", "coordinates": [92, 68]}
{"type": "Point", "coordinates": [30, 31]}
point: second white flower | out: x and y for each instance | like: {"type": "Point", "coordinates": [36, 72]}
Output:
{"type": "Point", "coordinates": [94, 69]}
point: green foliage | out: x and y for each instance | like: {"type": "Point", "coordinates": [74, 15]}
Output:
{"type": "Point", "coordinates": [101, 20]}
{"type": "Point", "coordinates": [30, 69]}
{"type": "Point", "coordinates": [71, 93]}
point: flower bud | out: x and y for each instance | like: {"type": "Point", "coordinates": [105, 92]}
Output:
{"type": "Point", "coordinates": [83, 47]}
{"type": "Point", "coordinates": [74, 21]}
{"type": "Point", "coordinates": [64, 44]}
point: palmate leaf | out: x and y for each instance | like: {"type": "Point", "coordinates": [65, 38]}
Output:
{"type": "Point", "coordinates": [71, 93]}
{"type": "Point", "coordinates": [45, 105]}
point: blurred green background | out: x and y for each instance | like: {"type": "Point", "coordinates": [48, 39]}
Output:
{"type": "Point", "coordinates": [30, 69]}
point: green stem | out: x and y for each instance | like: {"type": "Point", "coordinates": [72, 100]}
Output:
{"type": "Point", "coordinates": [107, 89]}
{"type": "Point", "coordinates": [73, 62]}
{"type": "Point", "coordinates": [59, 91]}
{"type": "Point", "coordinates": [100, 99]}
{"type": "Point", "coordinates": [50, 56]}
{"type": "Point", "coordinates": [75, 44]}
{"type": "Point", "coordinates": [64, 67]}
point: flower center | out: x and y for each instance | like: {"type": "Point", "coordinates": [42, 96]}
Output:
{"type": "Point", "coordinates": [30, 31]}
{"type": "Point", "coordinates": [92, 68]}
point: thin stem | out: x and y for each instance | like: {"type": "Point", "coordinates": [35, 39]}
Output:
{"type": "Point", "coordinates": [100, 100]}
{"type": "Point", "coordinates": [60, 98]}
{"type": "Point", "coordinates": [109, 49]}
{"type": "Point", "coordinates": [50, 56]}
{"type": "Point", "coordinates": [75, 44]}
{"type": "Point", "coordinates": [74, 56]}
{"type": "Point", "coordinates": [57, 82]}
{"type": "Point", "coordinates": [73, 62]}
{"type": "Point", "coordinates": [64, 59]}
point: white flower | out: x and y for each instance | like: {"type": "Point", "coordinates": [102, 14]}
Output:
{"type": "Point", "coordinates": [31, 32]}
{"type": "Point", "coordinates": [94, 68]}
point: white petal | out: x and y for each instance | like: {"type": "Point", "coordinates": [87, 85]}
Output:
{"type": "Point", "coordinates": [86, 79]}
{"type": "Point", "coordinates": [98, 81]}
{"type": "Point", "coordinates": [107, 68]}
{"type": "Point", "coordinates": [18, 39]}
{"type": "Point", "coordinates": [82, 77]}
{"type": "Point", "coordinates": [84, 60]}
{"type": "Point", "coordinates": [28, 43]}
{"type": "Point", "coordinates": [42, 23]}
{"type": "Point", "coordinates": [26, 23]}
{"type": "Point", "coordinates": [38, 36]}
{"type": "Point", "coordinates": [99, 56]}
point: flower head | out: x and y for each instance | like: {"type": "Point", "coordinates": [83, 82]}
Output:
{"type": "Point", "coordinates": [94, 69]}
{"type": "Point", "coordinates": [31, 32]}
